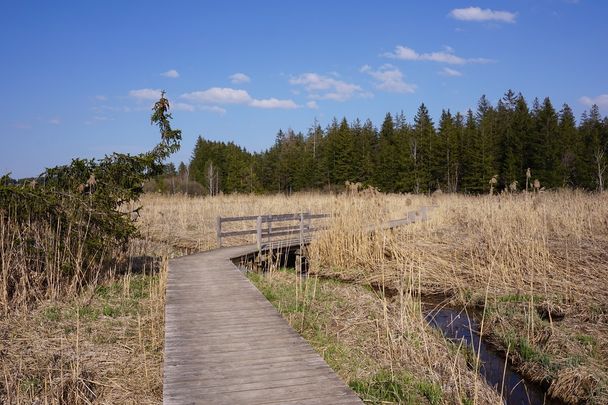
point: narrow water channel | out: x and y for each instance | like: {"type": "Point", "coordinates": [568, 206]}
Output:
{"type": "Point", "coordinates": [457, 326]}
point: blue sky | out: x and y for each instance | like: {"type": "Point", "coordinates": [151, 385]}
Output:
{"type": "Point", "coordinates": [79, 78]}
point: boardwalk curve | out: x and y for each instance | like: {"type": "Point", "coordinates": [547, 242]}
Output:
{"type": "Point", "coordinates": [226, 344]}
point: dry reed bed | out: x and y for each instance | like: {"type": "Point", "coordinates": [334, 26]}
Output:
{"type": "Point", "coordinates": [189, 222]}
{"type": "Point", "coordinates": [522, 257]}
{"type": "Point", "coordinates": [513, 255]}
{"type": "Point", "coordinates": [102, 344]}
{"type": "Point", "coordinates": [362, 334]}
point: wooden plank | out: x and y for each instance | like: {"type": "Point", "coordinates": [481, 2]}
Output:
{"type": "Point", "coordinates": [226, 344]}
{"type": "Point", "coordinates": [239, 233]}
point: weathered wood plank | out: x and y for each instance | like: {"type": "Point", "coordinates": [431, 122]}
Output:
{"type": "Point", "coordinates": [226, 344]}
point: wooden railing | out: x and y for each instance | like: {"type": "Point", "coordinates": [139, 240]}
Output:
{"type": "Point", "coordinates": [298, 227]}
{"type": "Point", "coordinates": [270, 227]}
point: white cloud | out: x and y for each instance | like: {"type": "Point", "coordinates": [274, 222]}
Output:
{"type": "Point", "coordinates": [446, 56]}
{"type": "Point", "coordinates": [214, 108]}
{"type": "Point", "coordinates": [219, 95]}
{"type": "Point", "coordinates": [238, 78]}
{"type": "Point", "coordinates": [227, 95]}
{"type": "Point", "coordinates": [55, 121]}
{"type": "Point", "coordinates": [601, 101]}
{"type": "Point", "coordinates": [145, 94]}
{"type": "Point", "coordinates": [326, 88]}
{"type": "Point", "coordinates": [312, 105]}
{"type": "Point", "coordinates": [389, 78]}
{"type": "Point", "coordinates": [273, 103]}
{"type": "Point", "coordinates": [101, 98]}
{"type": "Point", "coordinates": [172, 74]}
{"type": "Point", "coordinates": [183, 107]}
{"type": "Point", "coordinates": [446, 71]}
{"type": "Point", "coordinates": [479, 14]}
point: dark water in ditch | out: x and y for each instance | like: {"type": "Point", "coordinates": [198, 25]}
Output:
{"type": "Point", "coordinates": [456, 326]}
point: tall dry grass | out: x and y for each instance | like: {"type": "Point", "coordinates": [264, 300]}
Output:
{"type": "Point", "coordinates": [535, 264]}
{"type": "Point", "coordinates": [189, 222]}
{"type": "Point", "coordinates": [40, 260]}
{"type": "Point", "coordinates": [72, 330]}
{"type": "Point", "coordinates": [102, 344]}
{"type": "Point", "coordinates": [515, 256]}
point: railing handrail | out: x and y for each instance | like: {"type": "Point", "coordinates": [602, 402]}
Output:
{"type": "Point", "coordinates": [302, 229]}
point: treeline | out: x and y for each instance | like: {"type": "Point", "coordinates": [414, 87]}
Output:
{"type": "Point", "coordinates": [461, 153]}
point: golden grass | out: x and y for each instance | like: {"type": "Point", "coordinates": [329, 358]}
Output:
{"type": "Point", "coordinates": [103, 344]}
{"type": "Point", "coordinates": [517, 256]}
{"type": "Point", "coordinates": [361, 335]}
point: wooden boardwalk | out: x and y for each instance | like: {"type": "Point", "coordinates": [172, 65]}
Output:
{"type": "Point", "coordinates": [226, 344]}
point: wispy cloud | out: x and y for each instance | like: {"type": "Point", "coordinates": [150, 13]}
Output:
{"type": "Point", "coordinates": [172, 74]}
{"type": "Point", "coordinates": [145, 94]}
{"type": "Point", "coordinates": [446, 56]}
{"type": "Point", "coordinates": [326, 88]}
{"type": "Point", "coordinates": [239, 78]}
{"type": "Point", "coordinates": [273, 103]}
{"type": "Point", "coordinates": [446, 71]}
{"type": "Point", "coordinates": [214, 109]}
{"type": "Point", "coordinates": [227, 95]}
{"type": "Point", "coordinates": [219, 95]}
{"type": "Point", "coordinates": [389, 78]}
{"type": "Point", "coordinates": [55, 121]}
{"type": "Point", "coordinates": [312, 105]}
{"type": "Point", "coordinates": [98, 119]}
{"type": "Point", "coordinates": [601, 101]}
{"type": "Point", "coordinates": [479, 14]}
{"type": "Point", "coordinates": [183, 107]}
{"type": "Point", "coordinates": [22, 125]}
{"type": "Point", "coordinates": [101, 98]}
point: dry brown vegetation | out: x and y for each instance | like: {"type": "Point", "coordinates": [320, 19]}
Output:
{"type": "Point", "coordinates": [536, 264]}
{"type": "Point", "coordinates": [99, 343]}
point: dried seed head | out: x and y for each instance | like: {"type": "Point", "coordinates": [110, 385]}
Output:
{"type": "Point", "coordinates": [536, 184]}
{"type": "Point", "coordinates": [80, 188]}
{"type": "Point", "coordinates": [91, 181]}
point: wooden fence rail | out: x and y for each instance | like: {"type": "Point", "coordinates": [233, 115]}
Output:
{"type": "Point", "coordinates": [298, 226]}
{"type": "Point", "coordinates": [268, 227]}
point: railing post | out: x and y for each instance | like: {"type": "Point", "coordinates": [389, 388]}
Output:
{"type": "Point", "coordinates": [268, 235]}
{"type": "Point", "coordinates": [258, 228]}
{"type": "Point", "coordinates": [219, 231]}
{"type": "Point", "coordinates": [301, 230]}
{"type": "Point", "coordinates": [411, 217]}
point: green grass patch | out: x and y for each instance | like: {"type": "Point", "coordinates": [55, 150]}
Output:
{"type": "Point", "coordinates": [519, 298]}
{"type": "Point", "coordinates": [30, 385]}
{"type": "Point", "coordinates": [384, 387]}
{"type": "Point", "coordinates": [110, 311]}
{"type": "Point", "coordinates": [400, 388]}
{"type": "Point", "coordinates": [88, 313]}
{"type": "Point", "coordinates": [52, 314]}
{"type": "Point", "coordinates": [431, 391]}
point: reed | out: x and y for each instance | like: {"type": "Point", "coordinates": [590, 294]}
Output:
{"type": "Point", "coordinates": [536, 264]}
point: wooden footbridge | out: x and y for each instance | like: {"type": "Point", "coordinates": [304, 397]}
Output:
{"type": "Point", "coordinates": [226, 344]}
